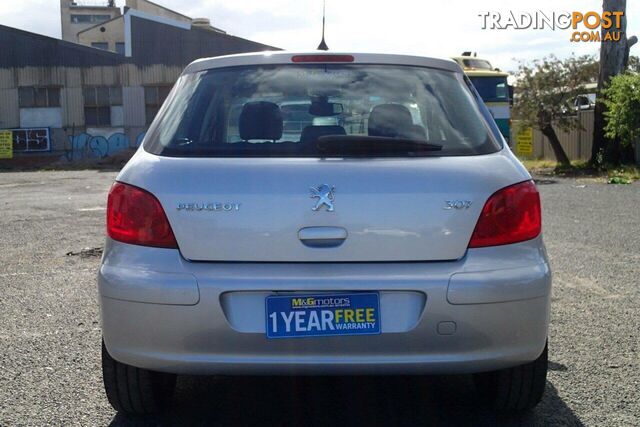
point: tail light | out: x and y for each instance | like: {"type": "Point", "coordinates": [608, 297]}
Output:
{"type": "Point", "coordinates": [511, 215]}
{"type": "Point", "coordinates": [135, 216]}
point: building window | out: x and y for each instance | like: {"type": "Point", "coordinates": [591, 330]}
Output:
{"type": "Point", "coordinates": [89, 19]}
{"type": "Point", "coordinates": [154, 96]}
{"type": "Point", "coordinates": [39, 97]}
{"type": "Point", "coordinates": [120, 48]}
{"type": "Point", "coordinates": [100, 45]}
{"type": "Point", "coordinates": [98, 102]}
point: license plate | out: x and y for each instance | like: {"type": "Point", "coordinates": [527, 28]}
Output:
{"type": "Point", "coordinates": [298, 316]}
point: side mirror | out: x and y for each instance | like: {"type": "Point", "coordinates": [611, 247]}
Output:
{"type": "Point", "coordinates": [510, 88]}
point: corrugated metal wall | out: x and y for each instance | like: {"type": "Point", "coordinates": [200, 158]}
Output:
{"type": "Point", "coordinates": [72, 100]}
{"type": "Point", "coordinates": [577, 143]}
{"type": "Point", "coordinates": [9, 111]}
{"type": "Point", "coordinates": [128, 76]}
{"type": "Point", "coordinates": [33, 60]}
{"type": "Point", "coordinates": [133, 103]}
{"type": "Point", "coordinates": [22, 49]}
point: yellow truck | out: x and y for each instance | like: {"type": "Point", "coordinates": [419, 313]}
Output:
{"type": "Point", "coordinates": [491, 84]}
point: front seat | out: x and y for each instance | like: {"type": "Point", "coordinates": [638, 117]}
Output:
{"type": "Point", "coordinates": [260, 120]}
{"type": "Point", "coordinates": [393, 121]}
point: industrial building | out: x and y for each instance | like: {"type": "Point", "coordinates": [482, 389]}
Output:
{"type": "Point", "coordinates": [95, 92]}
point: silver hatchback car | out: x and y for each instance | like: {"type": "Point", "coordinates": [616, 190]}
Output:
{"type": "Point", "coordinates": [315, 213]}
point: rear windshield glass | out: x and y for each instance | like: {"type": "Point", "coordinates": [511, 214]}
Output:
{"type": "Point", "coordinates": [319, 111]}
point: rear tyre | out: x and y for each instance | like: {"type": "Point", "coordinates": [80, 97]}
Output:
{"type": "Point", "coordinates": [135, 391]}
{"type": "Point", "coordinates": [516, 389]}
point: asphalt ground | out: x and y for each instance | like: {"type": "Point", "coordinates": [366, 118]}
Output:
{"type": "Point", "coordinates": [50, 334]}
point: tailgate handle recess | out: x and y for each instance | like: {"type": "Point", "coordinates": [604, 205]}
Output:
{"type": "Point", "coordinates": [322, 237]}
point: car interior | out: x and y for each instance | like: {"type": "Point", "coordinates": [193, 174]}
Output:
{"type": "Point", "coordinates": [263, 121]}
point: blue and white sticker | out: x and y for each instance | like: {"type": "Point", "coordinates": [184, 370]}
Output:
{"type": "Point", "coordinates": [296, 316]}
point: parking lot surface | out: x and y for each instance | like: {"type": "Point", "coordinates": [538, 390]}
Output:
{"type": "Point", "coordinates": [52, 230]}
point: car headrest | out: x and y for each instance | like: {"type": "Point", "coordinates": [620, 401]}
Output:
{"type": "Point", "coordinates": [311, 134]}
{"type": "Point", "coordinates": [390, 120]}
{"type": "Point", "coordinates": [260, 120]}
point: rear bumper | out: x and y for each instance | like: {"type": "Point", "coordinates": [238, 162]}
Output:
{"type": "Point", "coordinates": [487, 311]}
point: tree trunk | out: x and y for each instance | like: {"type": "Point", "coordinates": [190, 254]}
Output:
{"type": "Point", "coordinates": [558, 151]}
{"type": "Point", "coordinates": [613, 58]}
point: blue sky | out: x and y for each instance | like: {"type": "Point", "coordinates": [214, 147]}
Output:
{"type": "Point", "coordinates": [422, 27]}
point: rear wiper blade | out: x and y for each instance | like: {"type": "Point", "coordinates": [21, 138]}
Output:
{"type": "Point", "coordinates": [364, 142]}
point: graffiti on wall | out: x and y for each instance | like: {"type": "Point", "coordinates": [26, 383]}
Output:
{"type": "Point", "coordinates": [88, 147]}
{"type": "Point", "coordinates": [27, 140]}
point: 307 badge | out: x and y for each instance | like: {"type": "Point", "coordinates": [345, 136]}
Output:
{"type": "Point", "coordinates": [297, 316]}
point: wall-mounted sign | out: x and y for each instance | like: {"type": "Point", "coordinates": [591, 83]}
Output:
{"type": "Point", "coordinates": [6, 144]}
{"type": "Point", "coordinates": [524, 142]}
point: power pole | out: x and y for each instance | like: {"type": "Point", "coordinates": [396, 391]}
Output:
{"type": "Point", "coordinates": [614, 58]}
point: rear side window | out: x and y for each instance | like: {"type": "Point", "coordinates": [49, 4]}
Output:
{"type": "Point", "coordinates": [320, 110]}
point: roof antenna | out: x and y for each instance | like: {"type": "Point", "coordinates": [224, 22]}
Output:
{"type": "Point", "coordinates": [323, 44]}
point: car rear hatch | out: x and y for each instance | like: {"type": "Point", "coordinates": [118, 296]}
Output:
{"type": "Point", "coordinates": [422, 209]}
{"type": "Point", "coordinates": [389, 162]}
